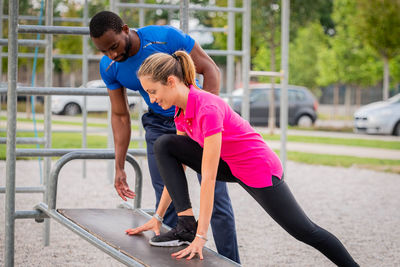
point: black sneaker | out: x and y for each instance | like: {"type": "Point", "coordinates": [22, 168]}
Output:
{"type": "Point", "coordinates": [183, 233]}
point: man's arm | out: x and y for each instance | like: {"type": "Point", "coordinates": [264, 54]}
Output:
{"type": "Point", "coordinates": [206, 66]}
{"type": "Point", "coordinates": [121, 126]}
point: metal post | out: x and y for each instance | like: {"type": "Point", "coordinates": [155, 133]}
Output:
{"type": "Point", "coordinates": [246, 59]}
{"type": "Point", "coordinates": [1, 48]}
{"type": "Point", "coordinates": [1, 36]}
{"type": "Point", "coordinates": [85, 71]}
{"type": "Point", "coordinates": [11, 134]}
{"type": "Point", "coordinates": [230, 64]}
{"type": "Point", "coordinates": [110, 140]}
{"type": "Point", "coordinates": [141, 15]}
{"type": "Point", "coordinates": [140, 102]}
{"type": "Point", "coordinates": [285, 80]}
{"type": "Point", "coordinates": [184, 16]}
{"type": "Point", "coordinates": [48, 77]}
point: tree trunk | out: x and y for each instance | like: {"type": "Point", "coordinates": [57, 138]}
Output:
{"type": "Point", "coordinates": [347, 101]}
{"type": "Point", "coordinates": [358, 96]}
{"type": "Point", "coordinates": [335, 101]}
{"type": "Point", "coordinates": [385, 78]}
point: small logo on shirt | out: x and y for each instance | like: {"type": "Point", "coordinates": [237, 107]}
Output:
{"type": "Point", "coordinates": [155, 42]}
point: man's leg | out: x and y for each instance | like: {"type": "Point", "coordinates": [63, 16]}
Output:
{"type": "Point", "coordinates": [223, 222]}
{"type": "Point", "coordinates": [155, 127]}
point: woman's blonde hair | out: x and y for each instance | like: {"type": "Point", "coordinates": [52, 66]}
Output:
{"type": "Point", "coordinates": [160, 66]}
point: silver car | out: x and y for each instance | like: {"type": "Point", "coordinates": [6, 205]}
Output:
{"type": "Point", "coordinates": [72, 104]}
{"type": "Point", "coordinates": [381, 117]}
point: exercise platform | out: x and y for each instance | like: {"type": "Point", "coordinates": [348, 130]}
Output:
{"type": "Point", "coordinates": [105, 228]}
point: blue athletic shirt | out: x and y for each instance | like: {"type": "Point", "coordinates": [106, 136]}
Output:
{"type": "Point", "coordinates": [153, 39]}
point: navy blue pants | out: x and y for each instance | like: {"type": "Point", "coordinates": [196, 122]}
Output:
{"type": "Point", "coordinates": [222, 220]}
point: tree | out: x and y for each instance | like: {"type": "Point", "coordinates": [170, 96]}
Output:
{"type": "Point", "coordinates": [378, 24]}
{"type": "Point", "coordinates": [346, 60]}
{"type": "Point", "coordinates": [304, 55]}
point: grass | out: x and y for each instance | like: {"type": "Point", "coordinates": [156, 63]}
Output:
{"type": "Point", "coordinates": [337, 141]}
{"type": "Point", "coordinates": [385, 165]}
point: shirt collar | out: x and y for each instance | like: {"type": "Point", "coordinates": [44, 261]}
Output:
{"type": "Point", "coordinates": [191, 103]}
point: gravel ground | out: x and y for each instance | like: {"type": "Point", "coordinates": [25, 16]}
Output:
{"type": "Point", "coordinates": [360, 207]}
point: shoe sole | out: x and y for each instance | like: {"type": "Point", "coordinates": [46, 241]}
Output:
{"type": "Point", "coordinates": [173, 243]}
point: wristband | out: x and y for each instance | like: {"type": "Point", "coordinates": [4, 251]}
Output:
{"type": "Point", "coordinates": [202, 237]}
{"type": "Point", "coordinates": [158, 217]}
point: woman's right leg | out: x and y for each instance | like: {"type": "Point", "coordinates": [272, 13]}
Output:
{"type": "Point", "coordinates": [280, 204]}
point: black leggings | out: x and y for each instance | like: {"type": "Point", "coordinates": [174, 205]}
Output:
{"type": "Point", "coordinates": [171, 151]}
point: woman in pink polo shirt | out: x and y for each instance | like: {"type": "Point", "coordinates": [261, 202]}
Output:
{"type": "Point", "coordinates": [215, 141]}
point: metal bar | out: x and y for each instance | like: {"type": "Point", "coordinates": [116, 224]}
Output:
{"type": "Point", "coordinates": [285, 80]}
{"type": "Point", "coordinates": [26, 42]}
{"type": "Point", "coordinates": [55, 152]}
{"type": "Point", "coordinates": [66, 56]}
{"type": "Point", "coordinates": [246, 59]}
{"type": "Point", "coordinates": [31, 214]}
{"type": "Point", "coordinates": [39, 189]}
{"type": "Point", "coordinates": [25, 17]}
{"type": "Point", "coordinates": [48, 81]}
{"type": "Point", "coordinates": [224, 52]}
{"type": "Point", "coordinates": [64, 91]}
{"type": "Point", "coordinates": [24, 140]}
{"type": "Point", "coordinates": [266, 73]}
{"type": "Point", "coordinates": [53, 29]}
{"type": "Point", "coordinates": [184, 16]}
{"type": "Point", "coordinates": [176, 7]}
{"type": "Point", "coordinates": [208, 29]}
{"type": "Point", "coordinates": [85, 74]}
{"type": "Point", "coordinates": [230, 60]}
{"type": "Point", "coordinates": [97, 57]}
{"type": "Point", "coordinates": [88, 237]}
{"type": "Point", "coordinates": [11, 134]}
{"type": "Point", "coordinates": [1, 36]}
{"type": "Point", "coordinates": [52, 185]}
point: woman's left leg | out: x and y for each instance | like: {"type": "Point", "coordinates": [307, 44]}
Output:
{"type": "Point", "coordinates": [280, 204]}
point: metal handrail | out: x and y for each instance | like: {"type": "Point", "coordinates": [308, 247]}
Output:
{"type": "Point", "coordinates": [53, 182]}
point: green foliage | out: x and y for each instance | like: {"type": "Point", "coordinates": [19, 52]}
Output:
{"type": "Point", "coordinates": [346, 59]}
{"type": "Point", "coordinates": [379, 25]}
{"type": "Point", "coordinates": [304, 55]}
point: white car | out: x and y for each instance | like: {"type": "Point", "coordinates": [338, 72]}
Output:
{"type": "Point", "coordinates": [381, 117]}
{"type": "Point", "coordinates": [73, 104]}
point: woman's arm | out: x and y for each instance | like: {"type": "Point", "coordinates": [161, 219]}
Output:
{"type": "Point", "coordinates": [209, 168]}
{"type": "Point", "coordinates": [153, 223]}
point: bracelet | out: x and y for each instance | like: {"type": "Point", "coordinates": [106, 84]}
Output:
{"type": "Point", "coordinates": [202, 237]}
{"type": "Point", "coordinates": [158, 217]}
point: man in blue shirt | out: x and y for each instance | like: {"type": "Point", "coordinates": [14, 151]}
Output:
{"type": "Point", "coordinates": [124, 51]}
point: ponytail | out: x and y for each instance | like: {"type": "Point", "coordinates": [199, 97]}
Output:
{"type": "Point", "coordinates": [160, 66]}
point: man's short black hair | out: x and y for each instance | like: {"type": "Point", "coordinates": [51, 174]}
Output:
{"type": "Point", "coordinates": [104, 21]}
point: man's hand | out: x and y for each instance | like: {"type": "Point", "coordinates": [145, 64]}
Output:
{"type": "Point", "coordinates": [121, 185]}
{"type": "Point", "coordinates": [196, 247]}
{"type": "Point", "coordinates": [153, 224]}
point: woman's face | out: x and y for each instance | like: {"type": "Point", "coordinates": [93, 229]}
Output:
{"type": "Point", "coordinates": [162, 94]}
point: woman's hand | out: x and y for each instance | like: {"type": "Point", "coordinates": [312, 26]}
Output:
{"type": "Point", "coordinates": [153, 224]}
{"type": "Point", "coordinates": [196, 247]}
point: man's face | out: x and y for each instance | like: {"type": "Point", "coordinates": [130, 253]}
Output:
{"type": "Point", "coordinates": [114, 45]}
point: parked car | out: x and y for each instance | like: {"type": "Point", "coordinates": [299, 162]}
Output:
{"type": "Point", "coordinates": [302, 104]}
{"type": "Point", "coordinates": [381, 117]}
{"type": "Point", "coordinates": [72, 104]}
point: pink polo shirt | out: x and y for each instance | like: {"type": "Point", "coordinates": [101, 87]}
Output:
{"type": "Point", "coordinates": [244, 150]}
